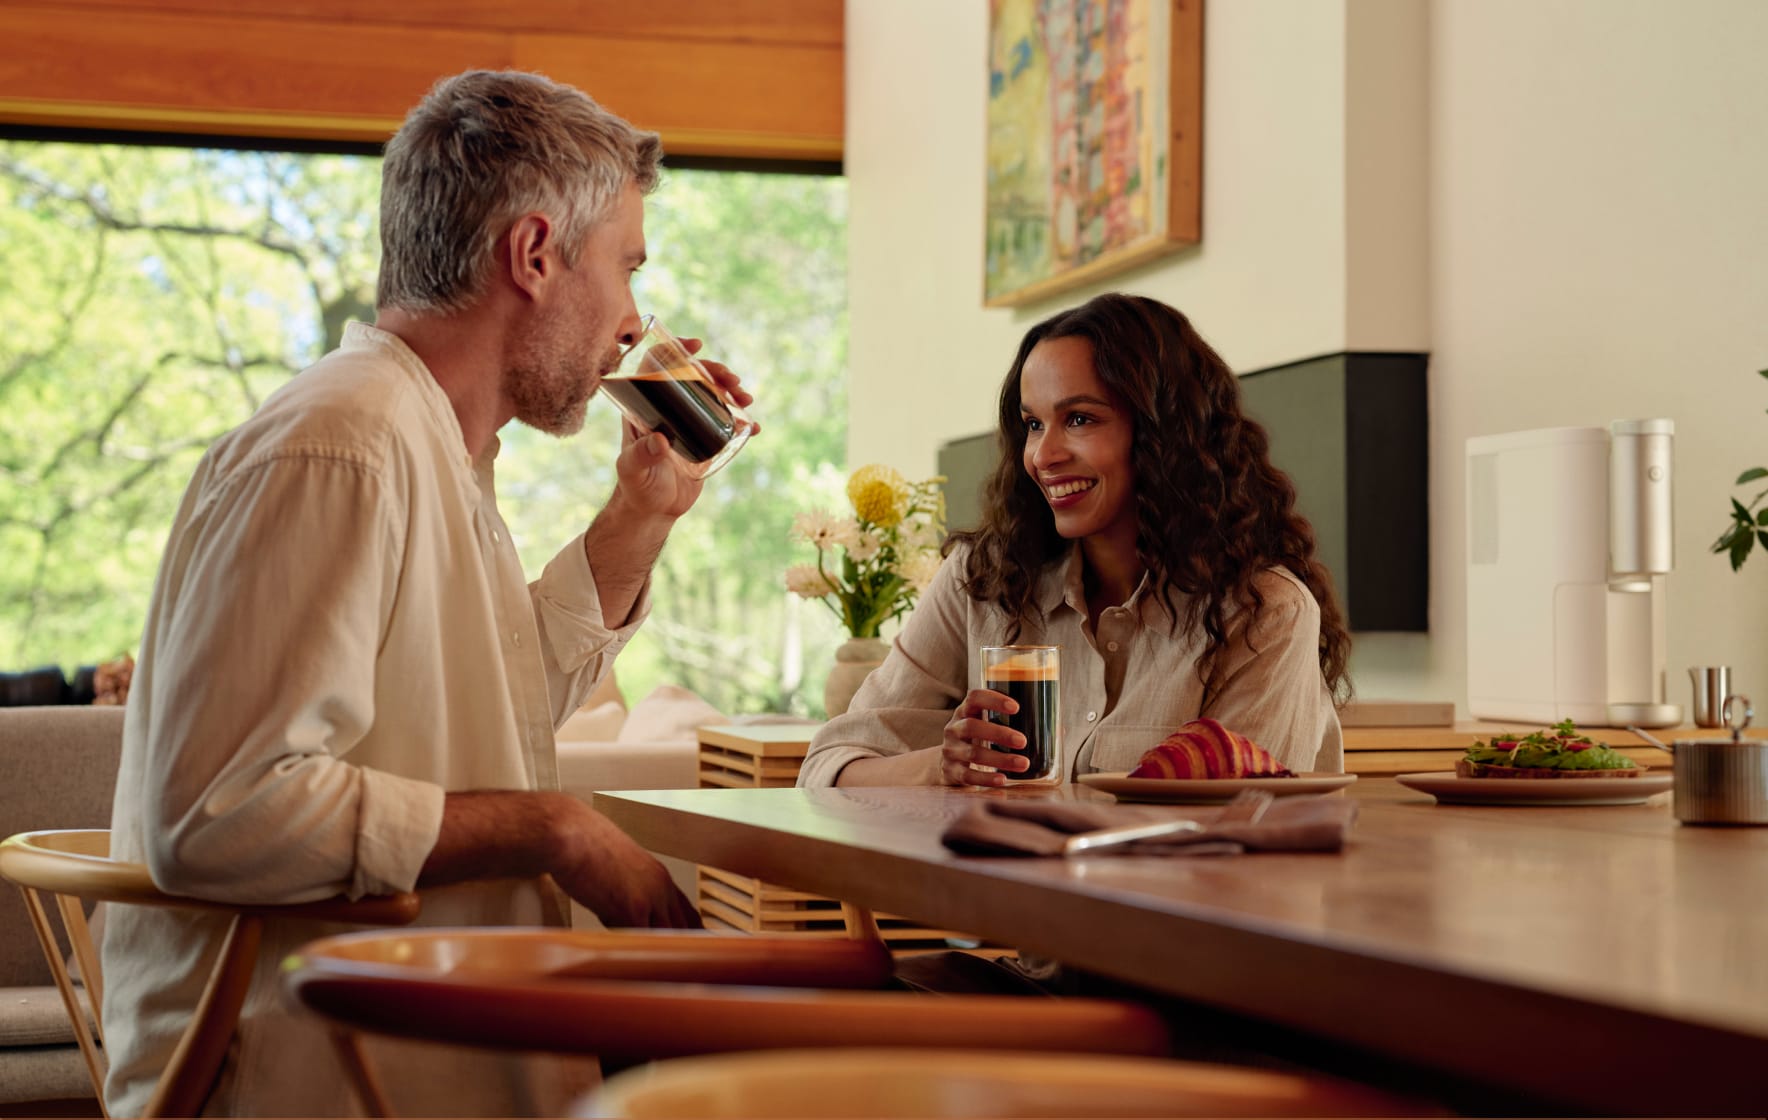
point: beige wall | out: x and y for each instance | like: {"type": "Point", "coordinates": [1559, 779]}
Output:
{"type": "Point", "coordinates": [1587, 183]}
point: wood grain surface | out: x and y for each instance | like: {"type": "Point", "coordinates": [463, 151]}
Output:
{"type": "Point", "coordinates": [741, 78]}
{"type": "Point", "coordinates": [1441, 936]}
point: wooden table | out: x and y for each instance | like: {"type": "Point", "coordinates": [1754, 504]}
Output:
{"type": "Point", "coordinates": [1607, 958]}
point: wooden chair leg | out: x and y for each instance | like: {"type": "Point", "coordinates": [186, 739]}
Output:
{"type": "Point", "coordinates": [73, 920]}
{"type": "Point", "coordinates": [59, 970]}
{"type": "Point", "coordinates": [196, 1063]}
{"type": "Point", "coordinates": [861, 925]}
{"type": "Point", "coordinates": [369, 1090]}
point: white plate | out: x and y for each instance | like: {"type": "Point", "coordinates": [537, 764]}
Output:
{"type": "Point", "coordinates": [1201, 791]}
{"type": "Point", "coordinates": [1449, 789]}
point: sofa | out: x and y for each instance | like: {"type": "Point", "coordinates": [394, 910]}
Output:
{"type": "Point", "coordinates": [60, 767]}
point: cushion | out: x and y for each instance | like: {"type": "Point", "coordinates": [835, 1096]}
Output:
{"type": "Point", "coordinates": [31, 1075]}
{"type": "Point", "coordinates": [598, 724]}
{"type": "Point", "coordinates": [668, 715]}
{"type": "Point", "coordinates": [37, 1017]}
{"type": "Point", "coordinates": [60, 768]}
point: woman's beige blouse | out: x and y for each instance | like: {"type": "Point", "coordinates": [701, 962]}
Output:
{"type": "Point", "coordinates": [1122, 689]}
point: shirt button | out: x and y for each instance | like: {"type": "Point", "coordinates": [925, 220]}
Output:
{"type": "Point", "coordinates": [1112, 646]}
{"type": "Point", "coordinates": [1091, 716]}
{"type": "Point", "coordinates": [495, 537]}
{"type": "Point", "coordinates": [516, 637]}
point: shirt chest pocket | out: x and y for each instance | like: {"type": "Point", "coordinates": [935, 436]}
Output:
{"type": "Point", "coordinates": [1119, 747]}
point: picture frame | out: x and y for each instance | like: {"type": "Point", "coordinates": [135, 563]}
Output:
{"type": "Point", "coordinates": [1095, 145]}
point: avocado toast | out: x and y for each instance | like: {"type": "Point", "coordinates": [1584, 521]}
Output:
{"type": "Point", "coordinates": [1558, 752]}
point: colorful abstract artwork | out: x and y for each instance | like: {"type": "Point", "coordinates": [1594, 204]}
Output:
{"type": "Point", "coordinates": [1094, 114]}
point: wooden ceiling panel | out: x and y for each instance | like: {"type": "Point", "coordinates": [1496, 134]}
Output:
{"type": "Point", "coordinates": [764, 95]}
{"type": "Point", "coordinates": [745, 78]}
{"type": "Point", "coordinates": [775, 21]}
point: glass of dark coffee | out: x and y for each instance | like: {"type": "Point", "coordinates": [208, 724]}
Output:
{"type": "Point", "coordinates": [661, 388]}
{"type": "Point", "coordinates": [1028, 675]}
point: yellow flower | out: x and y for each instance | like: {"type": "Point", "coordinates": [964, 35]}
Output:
{"type": "Point", "coordinates": [879, 495]}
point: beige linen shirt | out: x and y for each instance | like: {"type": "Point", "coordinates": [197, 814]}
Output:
{"type": "Point", "coordinates": [340, 632]}
{"type": "Point", "coordinates": [1122, 689]}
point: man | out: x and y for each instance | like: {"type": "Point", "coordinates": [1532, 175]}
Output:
{"type": "Point", "coordinates": [345, 683]}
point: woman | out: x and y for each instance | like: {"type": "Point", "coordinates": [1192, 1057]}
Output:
{"type": "Point", "coordinates": [1134, 520]}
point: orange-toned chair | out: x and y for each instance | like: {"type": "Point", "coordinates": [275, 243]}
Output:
{"type": "Point", "coordinates": [72, 866]}
{"type": "Point", "coordinates": [788, 1084]}
{"type": "Point", "coordinates": [553, 992]}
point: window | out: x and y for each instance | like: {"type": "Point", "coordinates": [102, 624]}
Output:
{"type": "Point", "coordinates": [153, 296]}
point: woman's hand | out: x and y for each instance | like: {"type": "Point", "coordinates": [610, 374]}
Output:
{"type": "Point", "coordinates": [971, 741]}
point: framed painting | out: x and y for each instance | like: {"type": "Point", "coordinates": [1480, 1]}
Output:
{"type": "Point", "coordinates": [1095, 145]}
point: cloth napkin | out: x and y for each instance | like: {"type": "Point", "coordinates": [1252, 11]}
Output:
{"type": "Point", "coordinates": [1038, 828]}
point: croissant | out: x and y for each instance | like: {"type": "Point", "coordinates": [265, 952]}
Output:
{"type": "Point", "coordinates": [1204, 748]}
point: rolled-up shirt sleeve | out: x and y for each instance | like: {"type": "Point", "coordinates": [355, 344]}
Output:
{"type": "Point", "coordinates": [250, 794]}
{"type": "Point", "coordinates": [577, 644]}
{"type": "Point", "coordinates": [906, 702]}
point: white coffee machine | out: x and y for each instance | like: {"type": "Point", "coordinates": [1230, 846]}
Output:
{"type": "Point", "coordinates": [1568, 543]}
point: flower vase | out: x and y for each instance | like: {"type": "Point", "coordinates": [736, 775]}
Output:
{"type": "Point", "coordinates": [854, 658]}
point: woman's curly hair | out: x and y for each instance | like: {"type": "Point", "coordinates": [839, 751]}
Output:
{"type": "Point", "coordinates": [1212, 511]}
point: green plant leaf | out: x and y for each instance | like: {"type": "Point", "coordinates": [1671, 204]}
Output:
{"type": "Point", "coordinates": [1762, 516]}
{"type": "Point", "coordinates": [1740, 514]}
{"type": "Point", "coordinates": [1740, 549]}
{"type": "Point", "coordinates": [1751, 475]}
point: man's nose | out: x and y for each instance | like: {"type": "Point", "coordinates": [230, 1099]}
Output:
{"type": "Point", "coordinates": [633, 327]}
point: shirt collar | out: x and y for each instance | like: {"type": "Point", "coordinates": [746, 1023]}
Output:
{"type": "Point", "coordinates": [364, 336]}
{"type": "Point", "coordinates": [1064, 584]}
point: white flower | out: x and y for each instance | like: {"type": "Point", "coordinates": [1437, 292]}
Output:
{"type": "Point", "coordinates": [920, 531]}
{"type": "Point", "coordinates": [845, 533]}
{"type": "Point", "coordinates": [816, 526]}
{"type": "Point", "coordinates": [864, 546]}
{"type": "Point", "coordinates": [918, 568]}
{"type": "Point", "coordinates": [808, 581]}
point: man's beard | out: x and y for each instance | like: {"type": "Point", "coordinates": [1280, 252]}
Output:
{"type": "Point", "coordinates": [551, 390]}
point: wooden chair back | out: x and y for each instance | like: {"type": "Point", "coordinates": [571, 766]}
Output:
{"type": "Point", "coordinates": [71, 866]}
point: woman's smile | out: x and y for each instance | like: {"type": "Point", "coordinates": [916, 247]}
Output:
{"type": "Point", "coordinates": [1066, 492]}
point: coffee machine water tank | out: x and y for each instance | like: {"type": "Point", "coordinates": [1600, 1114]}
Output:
{"type": "Point", "coordinates": [1569, 540]}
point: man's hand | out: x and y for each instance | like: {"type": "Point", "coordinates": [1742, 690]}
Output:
{"type": "Point", "coordinates": [503, 834]}
{"type": "Point", "coordinates": [653, 481]}
{"type": "Point", "coordinates": [624, 885]}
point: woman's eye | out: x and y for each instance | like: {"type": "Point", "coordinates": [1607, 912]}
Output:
{"type": "Point", "coordinates": [1033, 425]}
{"type": "Point", "coordinates": [1078, 419]}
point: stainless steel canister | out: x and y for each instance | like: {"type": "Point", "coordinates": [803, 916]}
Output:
{"type": "Point", "coordinates": [1723, 781]}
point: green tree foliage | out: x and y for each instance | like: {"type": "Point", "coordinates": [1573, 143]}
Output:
{"type": "Point", "coordinates": [154, 296]}
{"type": "Point", "coordinates": [755, 266]}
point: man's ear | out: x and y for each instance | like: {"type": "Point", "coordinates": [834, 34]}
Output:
{"type": "Point", "coordinates": [529, 253]}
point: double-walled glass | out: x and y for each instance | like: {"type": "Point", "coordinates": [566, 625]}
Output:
{"type": "Point", "coordinates": [1029, 675]}
{"type": "Point", "coordinates": [662, 388]}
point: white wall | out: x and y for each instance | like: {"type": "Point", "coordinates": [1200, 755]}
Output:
{"type": "Point", "coordinates": [1266, 285]}
{"type": "Point", "coordinates": [1596, 236]}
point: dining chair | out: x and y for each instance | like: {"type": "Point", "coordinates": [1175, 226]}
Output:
{"type": "Point", "coordinates": [549, 992]}
{"type": "Point", "coordinates": [871, 1083]}
{"type": "Point", "coordinates": [74, 866]}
